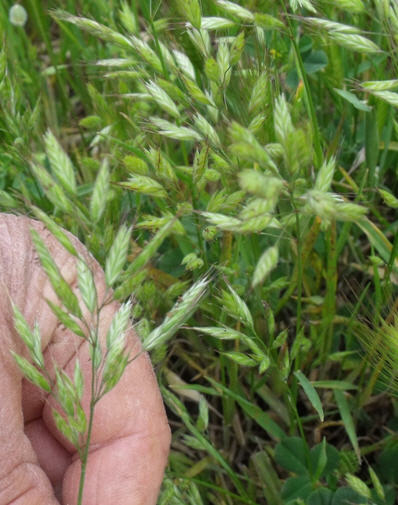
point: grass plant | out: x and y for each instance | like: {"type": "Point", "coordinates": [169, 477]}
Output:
{"type": "Point", "coordinates": [246, 150]}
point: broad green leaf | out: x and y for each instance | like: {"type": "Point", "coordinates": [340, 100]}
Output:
{"type": "Point", "coordinates": [346, 495]}
{"type": "Point", "coordinates": [315, 61]}
{"type": "Point", "coordinates": [321, 496]}
{"type": "Point", "coordinates": [291, 453]}
{"type": "Point", "coordinates": [332, 460]}
{"type": "Point", "coordinates": [353, 100]}
{"type": "Point", "coordinates": [296, 487]}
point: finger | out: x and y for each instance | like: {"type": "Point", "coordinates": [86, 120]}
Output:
{"type": "Point", "coordinates": [22, 481]}
{"type": "Point", "coordinates": [53, 458]}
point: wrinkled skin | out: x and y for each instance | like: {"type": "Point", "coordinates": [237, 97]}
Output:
{"type": "Point", "coordinates": [131, 436]}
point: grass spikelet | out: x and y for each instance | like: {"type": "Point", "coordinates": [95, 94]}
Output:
{"type": "Point", "coordinates": [117, 255]}
{"type": "Point", "coordinates": [56, 230]}
{"type": "Point", "coordinates": [345, 35]}
{"type": "Point", "coordinates": [195, 92]}
{"type": "Point", "coordinates": [216, 23]}
{"type": "Point", "coordinates": [145, 185]}
{"type": "Point", "coordinates": [255, 224]}
{"type": "Point", "coordinates": [100, 192]}
{"type": "Point", "coordinates": [184, 64]}
{"type": "Point", "coordinates": [118, 327]}
{"type": "Point", "coordinates": [332, 26]}
{"type": "Point", "coordinates": [224, 65]}
{"type": "Point", "coordinates": [258, 96]}
{"type": "Point", "coordinates": [162, 99]}
{"type": "Point", "coordinates": [127, 18]}
{"type": "Point", "coordinates": [282, 120]}
{"type": "Point", "coordinates": [358, 486]}
{"type": "Point", "coordinates": [306, 4]}
{"type": "Point", "coordinates": [325, 175]}
{"type": "Point", "coordinates": [60, 163]}
{"type": "Point", "coordinates": [146, 53]}
{"type": "Point", "coordinates": [266, 263]}
{"type": "Point", "coordinates": [175, 132]}
{"type": "Point", "coordinates": [256, 207]}
{"type": "Point", "coordinates": [144, 257]}
{"type": "Point", "coordinates": [212, 71]}
{"type": "Point", "coordinates": [207, 130]}
{"type": "Point", "coordinates": [254, 182]}
{"type": "Point", "coordinates": [190, 9]}
{"type": "Point", "coordinates": [388, 96]}
{"type": "Point", "coordinates": [32, 339]}
{"type": "Point", "coordinates": [94, 28]}
{"type": "Point", "coordinates": [268, 22]}
{"type": "Point", "coordinates": [354, 6]}
{"type": "Point", "coordinates": [201, 39]}
{"type": "Point", "coordinates": [178, 315]}
{"type": "Point", "coordinates": [389, 198]}
{"type": "Point", "coordinates": [355, 42]}
{"type": "Point", "coordinates": [53, 190]}
{"type": "Point", "coordinates": [237, 307]}
{"type": "Point", "coordinates": [350, 211]}
{"type": "Point", "coordinates": [31, 373]}
{"type": "Point", "coordinates": [236, 10]}
{"type": "Point", "coordinates": [222, 222]}
{"type": "Point", "coordinates": [386, 85]}
{"type": "Point", "coordinates": [247, 146]}
{"type": "Point", "coordinates": [58, 283]}
{"type": "Point", "coordinates": [87, 287]}
{"type": "Point", "coordinates": [223, 333]}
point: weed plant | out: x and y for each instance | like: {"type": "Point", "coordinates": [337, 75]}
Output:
{"type": "Point", "coordinates": [253, 143]}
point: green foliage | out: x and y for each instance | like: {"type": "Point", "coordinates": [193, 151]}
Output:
{"type": "Point", "coordinates": [243, 150]}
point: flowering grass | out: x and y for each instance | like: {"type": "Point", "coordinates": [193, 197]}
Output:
{"type": "Point", "coordinates": [245, 151]}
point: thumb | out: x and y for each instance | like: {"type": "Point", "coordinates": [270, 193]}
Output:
{"type": "Point", "coordinates": [22, 481]}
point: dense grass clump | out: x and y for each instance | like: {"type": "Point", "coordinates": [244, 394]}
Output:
{"type": "Point", "coordinates": [252, 148]}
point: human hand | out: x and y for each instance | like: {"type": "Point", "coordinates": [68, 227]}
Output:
{"type": "Point", "coordinates": [131, 436]}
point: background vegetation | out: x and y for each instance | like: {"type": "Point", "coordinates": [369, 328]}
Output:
{"type": "Point", "coordinates": [256, 143]}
